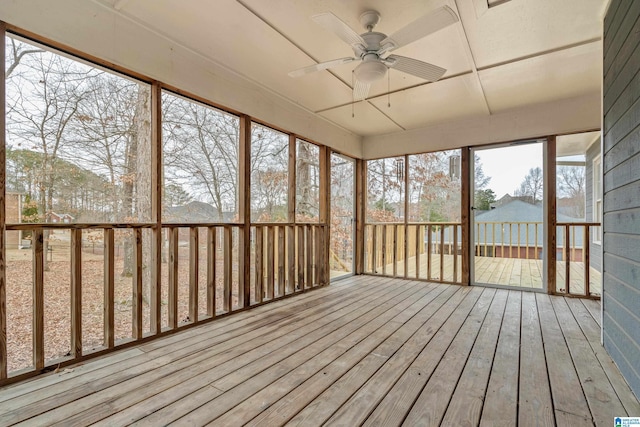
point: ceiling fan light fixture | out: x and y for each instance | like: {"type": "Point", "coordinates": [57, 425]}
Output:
{"type": "Point", "coordinates": [370, 72]}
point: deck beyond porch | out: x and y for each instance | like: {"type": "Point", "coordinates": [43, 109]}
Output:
{"type": "Point", "coordinates": [365, 350]}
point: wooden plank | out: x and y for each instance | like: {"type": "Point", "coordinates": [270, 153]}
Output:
{"type": "Point", "coordinates": [432, 402]}
{"type": "Point", "coordinates": [604, 404]}
{"type": "Point", "coordinates": [136, 315]}
{"type": "Point", "coordinates": [281, 259]}
{"type": "Point", "coordinates": [253, 354]}
{"type": "Point", "coordinates": [308, 230]}
{"type": "Point", "coordinates": [194, 269]}
{"type": "Point", "coordinates": [317, 255]}
{"type": "Point", "coordinates": [419, 240]}
{"type": "Point", "coordinates": [259, 264]}
{"type": "Point", "coordinates": [156, 363]}
{"type": "Point", "coordinates": [324, 362]}
{"type": "Point", "coordinates": [587, 260]}
{"type": "Point", "coordinates": [291, 259]}
{"type": "Point", "coordinates": [173, 277]}
{"type": "Point", "coordinates": [228, 272]}
{"type": "Point", "coordinates": [455, 253]}
{"type": "Point", "coordinates": [270, 262]}
{"type": "Point", "coordinates": [429, 251]}
{"type": "Point", "coordinates": [305, 397]}
{"type": "Point", "coordinates": [374, 248]}
{"type": "Point", "coordinates": [567, 259]}
{"type": "Point", "coordinates": [395, 250]}
{"type": "Point", "coordinates": [300, 230]}
{"type": "Point", "coordinates": [109, 288]}
{"type": "Point", "coordinates": [383, 249]}
{"type": "Point", "coordinates": [394, 374]}
{"type": "Point", "coordinates": [467, 401]}
{"type": "Point", "coordinates": [566, 389]}
{"type": "Point", "coordinates": [211, 271]}
{"type": "Point", "coordinates": [76, 293]}
{"type": "Point", "coordinates": [3, 218]}
{"type": "Point", "coordinates": [37, 240]}
{"type": "Point", "coordinates": [441, 253]}
{"type": "Point", "coordinates": [534, 396]}
{"type": "Point", "coordinates": [500, 406]}
{"type": "Point", "coordinates": [201, 409]}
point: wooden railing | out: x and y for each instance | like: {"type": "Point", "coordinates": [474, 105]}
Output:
{"type": "Point", "coordinates": [574, 241]}
{"type": "Point", "coordinates": [429, 251]}
{"type": "Point", "coordinates": [508, 239]}
{"type": "Point", "coordinates": [180, 275]}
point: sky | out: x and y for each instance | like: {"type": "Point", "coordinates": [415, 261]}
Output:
{"type": "Point", "coordinates": [507, 166]}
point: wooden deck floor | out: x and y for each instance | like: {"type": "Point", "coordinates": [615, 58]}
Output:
{"type": "Point", "coordinates": [365, 350]}
{"type": "Point", "coordinates": [525, 273]}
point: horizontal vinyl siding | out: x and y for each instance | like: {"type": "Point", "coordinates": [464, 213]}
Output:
{"type": "Point", "coordinates": [621, 184]}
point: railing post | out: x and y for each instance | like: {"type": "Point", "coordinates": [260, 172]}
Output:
{"type": "Point", "coordinates": [38, 298]}
{"type": "Point", "coordinates": [109, 288]}
{"type": "Point", "coordinates": [586, 259]}
{"type": "Point", "coordinates": [3, 219]}
{"type": "Point", "coordinates": [137, 285]}
{"type": "Point", "coordinates": [211, 271]}
{"type": "Point", "coordinates": [194, 266]}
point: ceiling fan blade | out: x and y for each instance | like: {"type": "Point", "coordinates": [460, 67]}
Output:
{"type": "Point", "coordinates": [319, 67]}
{"type": "Point", "coordinates": [334, 24]}
{"type": "Point", "coordinates": [415, 67]}
{"type": "Point", "coordinates": [421, 27]}
{"type": "Point", "coordinates": [361, 90]}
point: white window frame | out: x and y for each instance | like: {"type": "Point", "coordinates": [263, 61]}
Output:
{"type": "Point", "coordinates": [597, 198]}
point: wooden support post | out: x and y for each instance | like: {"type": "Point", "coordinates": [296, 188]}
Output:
{"type": "Point", "coordinates": [550, 179]}
{"type": "Point", "coordinates": [466, 165]}
{"type": "Point", "coordinates": [194, 258]}
{"type": "Point", "coordinates": [244, 238]}
{"type": "Point", "coordinates": [227, 256]}
{"type": "Point", "coordinates": [291, 199]}
{"type": "Point", "coordinates": [155, 286]}
{"type": "Point", "coordinates": [76, 292]}
{"type": "Point", "coordinates": [3, 219]}
{"type": "Point", "coordinates": [211, 271]}
{"type": "Point", "coordinates": [259, 269]}
{"type": "Point", "coordinates": [173, 277]}
{"type": "Point", "coordinates": [361, 171]}
{"type": "Point", "coordinates": [109, 288]}
{"type": "Point", "coordinates": [325, 215]}
{"type": "Point", "coordinates": [406, 216]}
{"type": "Point", "coordinates": [37, 240]}
{"type": "Point", "coordinates": [137, 286]}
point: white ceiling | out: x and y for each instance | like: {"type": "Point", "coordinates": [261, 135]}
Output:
{"type": "Point", "coordinates": [533, 65]}
{"type": "Point", "coordinates": [497, 58]}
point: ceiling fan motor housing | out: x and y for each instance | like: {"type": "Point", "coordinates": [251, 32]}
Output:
{"type": "Point", "coordinates": [371, 69]}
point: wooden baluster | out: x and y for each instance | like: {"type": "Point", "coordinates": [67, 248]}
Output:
{"type": "Point", "coordinates": [281, 258]}
{"type": "Point", "coordinates": [228, 271]}
{"type": "Point", "coordinates": [76, 292]}
{"type": "Point", "coordinates": [374, 249]}
{"type": "Point", "coordinates": [395, 250]}
{"type": "Point", "coordinates": [455, 251]}
{"type": "Point", "coordinates": [270, 260]}
{"type": "Point", "coordinates": [300, 231]}
{"type": "Point", "coordinates": [38, 298]}
{"type": "Point", "coordinates": [567, 260]}
{"type": "Point", "coordinates": [136, 327]}
{"type": "Point", "coordinates": [383, 249]}
{"type": "Point", "coordinates": [194, 261]}
{"type": "Point", "coordinates": [109, 288]}
{"type": "Point", "coordinates": [291, 259]}
{"type": "Point", "coordinates": [418, 251]}
{"type": "Point", "coordinates": [259, 272]}
{"type": "Point", "coordinates": [429, 250]}
{"type": "Point", "coordinates": [211, 271]}
{"type": "Point", "coordinates": [442, 253]}
{"type": "Point", "coordinates": [173, 277]}
{"type": "Point", "coordinates": [587, 260]}
{"type": "Point", "coordinates": [309, 253]}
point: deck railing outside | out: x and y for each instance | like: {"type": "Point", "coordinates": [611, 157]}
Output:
{"type": "Point", "coordinates": [431, 251]}
{"type": "Point", "coordinates": [80, 298]}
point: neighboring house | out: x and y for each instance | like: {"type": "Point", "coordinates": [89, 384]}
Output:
{"type": "Point", "coordinates": [60, 218]}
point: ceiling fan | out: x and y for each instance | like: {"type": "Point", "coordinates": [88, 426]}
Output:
{"type": "Point", "coordinates": [371, 47]}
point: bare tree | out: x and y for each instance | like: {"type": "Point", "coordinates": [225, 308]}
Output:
{"type": "Point", "coordinates": [532, 186]}
{"type": "Point", "coordinates": [571, 186]}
